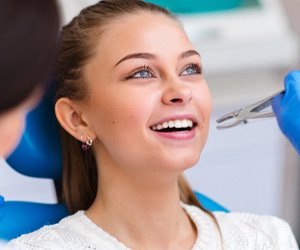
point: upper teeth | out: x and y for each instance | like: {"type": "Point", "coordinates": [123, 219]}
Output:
{"type": "Point", "coordinates": [185, 123]}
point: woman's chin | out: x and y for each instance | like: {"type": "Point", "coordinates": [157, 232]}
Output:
{"type": "Point", "coordinates": [180, 163]}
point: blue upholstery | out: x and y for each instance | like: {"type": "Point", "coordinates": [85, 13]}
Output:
{"type": "Point", "coordinates": [19, 217]}
{"type": "Point", "coordinates": [209, 204]}
{"type": "Point", "coordinates": [39, 155]}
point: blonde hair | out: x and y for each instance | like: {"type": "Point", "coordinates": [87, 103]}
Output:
{"type": "Point", "coordinates": [76, 48]}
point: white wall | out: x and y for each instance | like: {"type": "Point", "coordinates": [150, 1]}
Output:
{"type": "Point", "coordinates": [243, 167]}
{"type": "Point", "coordinates": [14, 186]}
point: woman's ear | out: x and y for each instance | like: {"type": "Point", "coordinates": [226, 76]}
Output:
{"type": "Point", "coordinates": [71, 119]}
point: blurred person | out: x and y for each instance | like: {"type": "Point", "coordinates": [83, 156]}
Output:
{"type": "Point", "coordinates": [29, 31]}
{"type": "Point", "coordinates": [27, 46]}
{"type": "Point", "coordinates": [134, 108]}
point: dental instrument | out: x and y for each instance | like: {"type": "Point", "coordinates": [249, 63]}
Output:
{"type": "Point", "coordinates": [253, 111]}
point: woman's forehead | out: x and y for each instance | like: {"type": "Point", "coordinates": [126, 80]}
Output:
{"type": "Point", "coordinates": [148, 32]}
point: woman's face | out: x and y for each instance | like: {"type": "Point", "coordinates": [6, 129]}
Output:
{"type": "Point", "coordinates": [149, 104]}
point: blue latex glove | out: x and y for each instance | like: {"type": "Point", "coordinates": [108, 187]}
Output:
{"type": "Point", "coordinates": [287, 109]}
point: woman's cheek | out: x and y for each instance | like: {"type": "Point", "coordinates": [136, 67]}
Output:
{"type": "Point", "coordinates": [205, 101]}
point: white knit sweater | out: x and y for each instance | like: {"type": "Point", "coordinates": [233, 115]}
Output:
{"type": "Point", "coordinates": [238, 230]}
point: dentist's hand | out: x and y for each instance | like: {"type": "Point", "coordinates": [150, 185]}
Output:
{"type": "Point", "coordinates": [287, 109]}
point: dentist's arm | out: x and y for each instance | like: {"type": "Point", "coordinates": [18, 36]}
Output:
{"type": "Point", "coordinates": [287, 109]}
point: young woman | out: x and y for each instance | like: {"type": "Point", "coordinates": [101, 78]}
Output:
{"type": "Point", "coordinates": [135, 110]}
{"type": "Point", "coordinates": [27, 47]}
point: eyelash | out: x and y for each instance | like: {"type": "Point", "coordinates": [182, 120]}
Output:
{"type": "Point", "coordinates": [139, 70]}
{"type": "Point", "coordinates": [196, 66]}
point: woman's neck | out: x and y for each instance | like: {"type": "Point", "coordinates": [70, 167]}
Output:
{"type": "Point", "coordinates": [143, 214]}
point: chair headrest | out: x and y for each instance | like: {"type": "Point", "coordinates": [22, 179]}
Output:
{"type": "Point", "coordinates": [39, 151]}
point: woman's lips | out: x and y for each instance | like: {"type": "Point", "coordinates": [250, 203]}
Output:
{"type": "Point", "coordinates": [175, 118]}
{"type": "Point", "coordinates": [176, 127]}
{"type": "Point", "coordinates": [178, 135]}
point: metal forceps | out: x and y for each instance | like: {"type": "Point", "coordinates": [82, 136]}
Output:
{"type": "Point", "coordinates": [253, 111]}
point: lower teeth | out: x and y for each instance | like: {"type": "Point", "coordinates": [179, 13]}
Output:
{"type": "Point", "coordinates": [174, 129]}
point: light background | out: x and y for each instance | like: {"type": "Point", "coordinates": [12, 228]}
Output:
{"type": "Point", "coordinates": [249, 168]}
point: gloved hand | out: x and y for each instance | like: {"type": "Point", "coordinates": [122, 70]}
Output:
{"type": "Point", "coordinates": [287, 109]}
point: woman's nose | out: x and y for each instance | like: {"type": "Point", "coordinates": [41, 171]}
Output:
{"type": "Point", "coordinates": [177, 94]}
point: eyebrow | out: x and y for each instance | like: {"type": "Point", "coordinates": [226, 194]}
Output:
{"type": "Point", "coordinates": [150, 56]}
{"type": "Point", "coordinates": [189, 53]}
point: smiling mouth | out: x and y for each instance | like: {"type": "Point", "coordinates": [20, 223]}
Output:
{"type": "Point", "coordinates": [174, 126]}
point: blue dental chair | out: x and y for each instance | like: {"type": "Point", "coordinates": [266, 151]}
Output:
{"type": "Point", "coordinates": [39, 155]}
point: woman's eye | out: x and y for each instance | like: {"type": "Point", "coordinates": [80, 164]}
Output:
{"type": "Point", "coordinates": [144, 72]}
{"type": "Point", "coordinates": [192, 69]}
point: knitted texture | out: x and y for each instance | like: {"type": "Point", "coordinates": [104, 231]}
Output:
{"type": "Point", "coordinates": [238, 231]}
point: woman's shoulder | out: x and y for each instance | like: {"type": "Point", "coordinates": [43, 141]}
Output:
{"type": "Point", "coordinates": [47, 237]}
{"type": "Point", "coordinates": [51, 236]}
{"type": "Point", "coordinates": [260, 222]}
{"type": "Point", "coordinates": [258, 230]}
{"type": "Point", "coordinates": [250, 231]}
